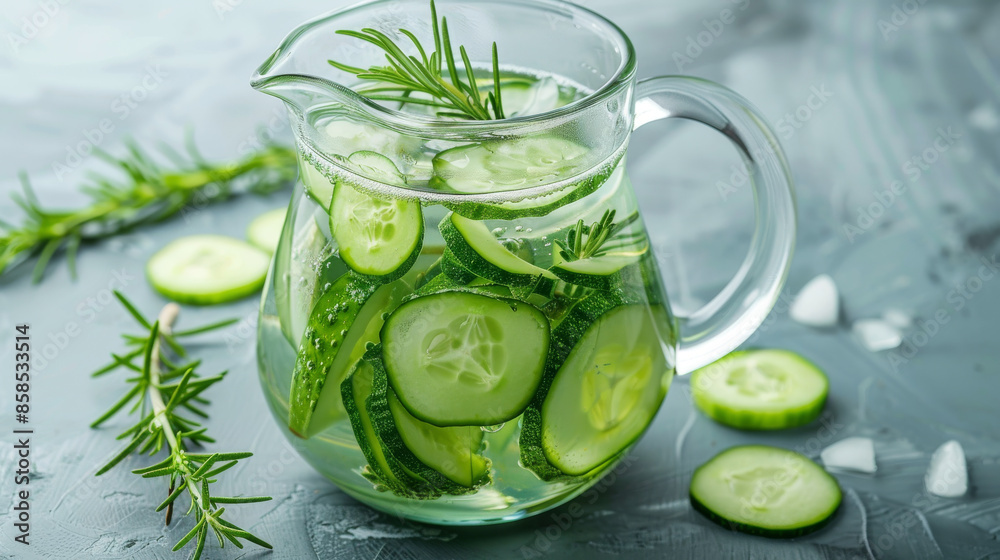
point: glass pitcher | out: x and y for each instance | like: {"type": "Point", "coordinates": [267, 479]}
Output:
{"type": "Point", "coordinates": [464, 322]}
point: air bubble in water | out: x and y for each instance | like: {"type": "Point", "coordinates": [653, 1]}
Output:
{"type": "Point", "coordinates": [494, 428]}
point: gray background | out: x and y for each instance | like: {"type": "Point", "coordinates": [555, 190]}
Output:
{"type": "Point", "coordinates": [890, 90]}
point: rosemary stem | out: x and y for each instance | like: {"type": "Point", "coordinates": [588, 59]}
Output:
{"type": "Point", "coordinates": [168, 315]}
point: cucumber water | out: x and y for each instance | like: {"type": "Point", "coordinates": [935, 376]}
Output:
{"type": "Point", "coordinates": [440, 349]}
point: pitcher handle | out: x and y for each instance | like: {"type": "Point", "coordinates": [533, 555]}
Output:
{"type": "Point", "coordinates": [732, 316]}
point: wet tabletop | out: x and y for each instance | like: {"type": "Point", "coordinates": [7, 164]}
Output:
{"type": "Point", "coordinates": [864, 96]}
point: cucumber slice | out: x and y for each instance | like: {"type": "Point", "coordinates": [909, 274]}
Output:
{"type": "Point", "coordinates": [462, 358]}
{"type": "Point", "coordinates": [265, 230]}
{"type": "Point", "coordinates": [480, 252]}
{"type": "Point", "coordinates": [530, 97]}
{"type": "Point", "coordinates": [207, 269]}
{"type": "Point", "coordinates": [317, 186]}
{"type": "Point", "coordinates": [601, 273]}
{"type": "Point", "coordinates": [344, 320]}
{"type": "Point", "coordinates": [454, 269]}
{"type": "Point", "coordinates": [761, 390]}
{"type": "Point", "coordinates": [301, 263]}
{"type": "Point", "coordinates": [442, 459]}
{"type": "Point", "coordinates": [354, 391]}
{"type": "Point", "coordinates": [507, 165]}
{"type": "Point", "coordinates": [379, 238]}
{"type": "Point", "coordinates": [765, 491]}
{"type": "Point", "coordinates": [605, 378]}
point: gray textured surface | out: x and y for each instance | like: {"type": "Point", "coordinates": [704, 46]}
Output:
{"type": "Point", "coordinates": [891, 90]}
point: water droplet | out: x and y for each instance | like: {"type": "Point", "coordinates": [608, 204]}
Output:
{"type": "Point", "coordinates": [498, 231]}
{"type": "Point", "coordinates": [385, 316]}
{"type": "Point", "coordinates": [343, 332]}
{"type": "Point", "coordinates": [310, 365]}
{"type": "Point", "coordinates": [519, 228]}
{"type": "Point", "coordinates": [494, 428]}
{"type": "Point", "coordinates": [369, 345]}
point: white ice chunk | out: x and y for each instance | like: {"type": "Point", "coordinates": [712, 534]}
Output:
{"type": "Point", "coordinates": [877, 335]}
{"type": "Point", "coordinates": [897, 318]}
{"type": "Point", "coordinates": [853, 454]}
{"type": "Point", "coordinates": [818, 304]}
{"type": "Point", "coordinates": [947, 475]}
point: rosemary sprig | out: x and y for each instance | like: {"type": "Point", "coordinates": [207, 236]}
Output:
{"type": "Point", "coordinates": [406, 74]}
{"type": "Point", "coordinates": [149, 192]}
{"type": "Point", "coordinates": [160, 391]}
{"type": "Point", "coordinates": [584, 242]}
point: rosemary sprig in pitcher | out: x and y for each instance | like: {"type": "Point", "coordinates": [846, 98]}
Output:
{"type": "Point", "coordinates": [436, 75]}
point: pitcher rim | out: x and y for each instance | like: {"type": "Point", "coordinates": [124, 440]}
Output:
{"type": "Point", "coordinates": [434, 127]}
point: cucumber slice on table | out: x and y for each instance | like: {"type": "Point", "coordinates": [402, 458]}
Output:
{"type": "Point", "coordinates": [345, 319]}
{"type": "Point", "coordinates": [441, 459]}
{"type": "Point", "coordinates": [459, 358]}
{"type": "Point", "coordinates": [479, 251]}
{"type": "Point", "coordinates": [761, 390]}
{"type": "Point", "coordinates": [265, 230]}
{"type": "Point", "coordinates": [605, 378]}
{"type": "Point", "coordinates": [765, 491]}
{"type": "Point", "coordinates": [207, 269]}
{"type": "Point", "coordinates": [377, 237]}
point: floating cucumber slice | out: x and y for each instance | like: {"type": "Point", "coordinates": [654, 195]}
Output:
{"type": "Point", "coordinates": [765, 491]}
{"type": "Point", "coordinates": [207, 269]}
{"type": "Point", "coordinates": [317, 186]}
{"type": "Point", "coordinates": [354, 392]}
{"type": "Point", "coordinates": [506, 165]}
{"type": "Point", "coordinates": [346, 318]}
{"type": "Point", "coordinates": [530, 97]}
{"type": "Point", "coordinates": [454, 269]}
{"type": "Point", "coordinates": [265, 230]}
{"type": "Point", "coordinates": [301, 263]}
{"type": "Point", "coordinates": [480, 252]}
{"type": "Point", "coordinates": [761, 390]}
{"type": "Point", "coordinates": [601, 273]}
{"type": "Point", "coordinates": [461, 358]}
{"type": "Point", "coordinates": [540, 205]}
{"type": "Point", "coordinates": [605, 378]}
{"type": "Point", "coordinates": [445, 459]}
{"type": "Point", "coordinates": [376, 237]}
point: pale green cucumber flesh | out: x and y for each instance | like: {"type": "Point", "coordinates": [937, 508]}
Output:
{"type": "Point", "coordinates": [607, 391]}
{"type": "Point", "coordinates": [761, 390]}
{"type": "Point", "coordinates": [345, 319]}
{"type": "Point", "coordinates": [765, 491]}
{"type": "Point", "coordinates": [265, 230]}
{"type": "Point", "coordinates": [600, 272]}
{"type": "Point", "coordinates": [453, 452]}
{"type": "Point", "coordinates": [207, 269]}
{"type": "Point", "coordinates": [376, 237]}
{"type": "Point", "coordinates": [479, 251]}
{"type": "Point", "coordinates": [458, 358]}
{"type": "Point", "coordinates": [505, 165]}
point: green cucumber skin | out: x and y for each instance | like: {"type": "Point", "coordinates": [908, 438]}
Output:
{"type": "Point", "coordinates": [760, 531]}
{"type": "Point", "coordinates": [475, 263]}
{"type": "Point", "coordinates": [392, 442]}
{"type": "Point", "coordinates": [757, 420]}
{"type": "Point", "coordinates": [321, 350]}
{"type": "Point", "coordinates": [398, 480]}
{"type": "Point", "coordinates": [569, 331]}
{"type": "Point", "coordinates": [454, 269]}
